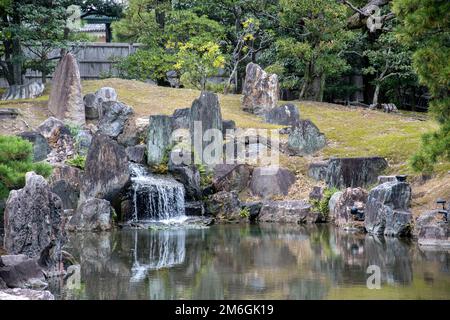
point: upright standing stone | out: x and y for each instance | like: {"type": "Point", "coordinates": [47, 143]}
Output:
{"type": "Point", "coordinates": [260, 90]}
{"type": "Point", "coordinates": [66, 100]}
{"type": "Point", "coordinates": [158, 138]}
{"type": "Point", "coordinates": [32, 218]}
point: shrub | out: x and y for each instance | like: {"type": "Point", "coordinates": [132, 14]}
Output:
{"type": "Point", "coordinates": [244, 213]}
{"type": "Point", "coordinates": [321, 205]}
{"type": "Point", "coordinates": [78, 161]}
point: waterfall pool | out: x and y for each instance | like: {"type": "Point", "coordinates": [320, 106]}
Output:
{"type": "Point", "coordinates": [241, 261]}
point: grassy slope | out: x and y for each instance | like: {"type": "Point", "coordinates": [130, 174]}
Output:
{"type": "Point", "coordinates": [350, 132]}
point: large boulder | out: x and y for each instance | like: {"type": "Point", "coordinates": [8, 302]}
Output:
{"type": "Point", "coordinates": [189, 177]}
{"type": "Point", "coordinates": [136, 153]}
{"type": "Point", "coordinates": [92, 215]}
{"type": "Point", "coordinates": [224, 206]}
{"type": "Point", "coordinates": [260, 90]}
{"type": "Point", "coordinates": [59, 138]}
{"type": "Point", "coordinates": [228, 177]}
{"type": "Point", "coordinates": [32, 218]}
{"type": "Point", "coordinates": [181, 118]}
{"type": "Point", "coordinates": [158, 138]}
{"type": "Point", "coordinates": [25, 294]}
{"type": "Point", "coordinates": [387, 209]}
{"type": "Point", "coordinates": [354, 172]}
{"type": "Point", "coordinates": [93, 102]}
{"type": "Point", "coordinates": [113, 118]}
{"type": "Point", "coordinates": [271, 181]}
{"type": "Point", "coordinates": [291, 211]}
{"type": "Point", "coordinates": [49, 127]}
{"type": "Point", "coordinates": [318, 170]}
{"type": "Point", "coordinates": [27, 91]}
{"type": "Point", "coordinates": [205, 115]}
{"type": "Point", "coordinates": [67, 173]}
{"type": "Point", "coordinates": [340, 207]}
{"type": "Point", "coordinates": [20, 271]}
{"type": "Point", "coordinates": [83, 140]}
{"type": "Point", "coordinates": [40, 145]}
{"type": "Point", "coordinates": [305, 138]}
{"type": "Point", "coordinates": [134, 132]}
{"type": "Point", "coordinates": [106, 172]}
{"type": "Point", "coordinates": [66, 101]}
{"type": "Point", "coordinates": [432, 229]}
{"type": "Point", "coordinates": [287, 115]}
{"type": "Point", "coordinates": [68, 193]}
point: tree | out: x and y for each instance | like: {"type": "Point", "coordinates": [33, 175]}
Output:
{"type": "Point", "coordinates": [425, 24]}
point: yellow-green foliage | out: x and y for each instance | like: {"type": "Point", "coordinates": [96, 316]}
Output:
{"type": "Point", "coordinates": [77, 161]}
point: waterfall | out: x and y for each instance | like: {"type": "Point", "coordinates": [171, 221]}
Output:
{"type": "Point", "coordinates": [155, 198]}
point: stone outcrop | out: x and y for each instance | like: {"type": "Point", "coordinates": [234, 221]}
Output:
{"type": "Point", "coordinates": [181, 118]}
{"type": "Point", "coordinates": [287, 115]}
{"type": "Point", "coordinates": [68, 193]}
{"type": "Point", "coordinates": [66, 101]}
{"type": "Point", "coordinates": [136, 153]}
{"type": "Point", "coordinates": [113, 118]}
{"type": "Point", "coordinates": [260, 90]}
{"type": "Point", "coordinates": [305, 138]}
{"type": "Point", "coordinates": [20, 271]}
{"type": "Point", "coordinates": [271, 181]}
{"type": "Point", "coordinates": [291, 211]}
{"type": "Point", "coordinates": [432, 229]}
{"type": "Point", "coordinates": [106, 172]}
{"type": "Point", "coordinates": [93, 102]}
{"type": "Point", "coordinates": [27, 91]}
{"type": "Point", "coordinates": [134, 132]}
{"type": "Point", "coordinates": [224, 206]}
{"type": "Point", "coordinates": [340, 207]}
{"type": "Point", "coordinates": [387, 209]}
{"type": "Point", "coordinates": [32, 218]}
{"type": "Point", "coordinates": [158, 138]}
{"type": "Point", "coordinates": [40, 145]}
{"type": "Point", "coordinates": [354, 172]}
{"type": "Point", "coordinates": [92, 215]}
{"type": "Point", "coordinates": [189, 177]}
{"type": "Point", "coordinates": [228, 177]}
{"type": "Point", "coordinates": [49, 127]}
{"type": "Point", "coordinates": [59, 138]}
{"type": "Point", "coordinates": [318, 170]}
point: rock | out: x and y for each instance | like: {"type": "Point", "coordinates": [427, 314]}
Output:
{"type": "Point", "coordinates": [106, 172]}
{"type": "Point", "coordinates": [383, 179]}
{"type": "Point", "coordinates": [387, 209]}
{"type": "Point", "coordinates": [260, 90]}
{"type": "Point", "coordinates": [93, 102]}
{"type": "Point", "coordinates": [32, 218]}
{"type": "Point", "coordinates": [227, 126]}
{"type": "Point", "coordinates": [205, 115]}
{"type": "Point", "coordinates": [113, 118]}
{"type": "Point", "coordinates": [224, 206]}
{"type": "Point", "coordinates": [340, 206]}
{"type": "Point", "coordinates": [189, 176]}
{"type": "Point", "coordinates": [90, 106]}
{"type": "Point", "coordinates": [181, 118]}
{"type": "Point", "coordinates": [136, 153]}
{"type": "Point", "coordinates": [92, 215]}
{"type": "Point", "coordinates": [66, 101]}
{"type": "Point", "coordinates": [68, 193]}
{"type": "Point", "coordinates": [432, 229]}
{"type": "Point", "coordinates": [83, 141]}
{"type": "Point", "coordinates": [20, 271]}
{"type": "Point", "coordinates": [285, 130]}
{"type": "Point", "coordinates": [254, 208]}
{"type": "Point", "coordinates": [40, 145]}
{"type": "Point", "coordinates": [318, 170]}
{"type": "Point", "coordinates": [291, 211]}
{"type": "Point", "coordinates": [271, 181]}
{"type": "Point", "coordinates": [194, 208]}
{"type": "Point", "coordinates": [316, 193]}
{"type": "Point", "coordinates": [25, 294]}
{"type": "Point", "coordinates": [287, 115]}
{"type": "Point", "coordinates": [49, 127]}
{"type": "Point", "coordinates": [354, 172]}
{"type": "Point", "coordinates": [59, 138]}
{"type": "Point", "coordinates": [305, 138]}
{"type": "Point", "coordinates": [173, 79]}
{"type": "Point", "coordinates": [237, 177]}
{"type": "Point", "coordinates": [158, 138]}
{"type": "Point", "coordinates": [27, 91]}
{"type": "Point", "coordinates": [65, 172]}
{"type": "Point", "coordinates": [8, 113]}
{"type": "Point", "coordinates": [134, 132]}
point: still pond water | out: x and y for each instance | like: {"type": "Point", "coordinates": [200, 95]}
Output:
{"type": "Point", "coordinates": [252, 262]}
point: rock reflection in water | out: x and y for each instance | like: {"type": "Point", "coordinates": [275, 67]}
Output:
{"type": "Point", "coordinates": [253, 262]}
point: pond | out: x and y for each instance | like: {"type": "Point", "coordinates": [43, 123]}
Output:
{"type": "Point", "coordinates": [265, 261]}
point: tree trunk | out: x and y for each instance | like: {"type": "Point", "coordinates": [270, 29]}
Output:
{"type": "Point", "coordinates": [375, 94]}
{"type": "Point", "coordinates": [322, 87]}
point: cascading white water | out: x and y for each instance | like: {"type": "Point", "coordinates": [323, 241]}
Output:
{"type": "Point", "coordinates": [155, 198]}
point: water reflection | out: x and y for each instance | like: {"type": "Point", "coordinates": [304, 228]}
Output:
{"type": "Point", "coordinates": [253, 261]}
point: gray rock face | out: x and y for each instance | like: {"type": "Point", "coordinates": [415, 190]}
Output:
{"type": "Point", "coordinates": [284, 115]}
{"type": "Point", "coordinates": [83, 141]}
{"type": "Point", "coordinates": [181, 118]}
{"type": "Point", "coordinates": [318, 170]}
{"type": "Point", "coordinates": [354, 172]}
{"type": "Point", "coordinates": [66, 101]}
{"type": "Point", "coordinates": [68, 193]}
{"type": "Point", "coordinates": [293, 211]}
{"type": "Point", "coordinates": [134, 132]}
{"type": "Point", "coordinates": [40, 145]}
{"type": "Point", "coordinates": [316, 193]}
{"type": "Point", "coordinates": [189, 176]}
{"type": "Point", "coordinates": [229, 125]}
{"type": "Point", "coordinates": [25, 294]}
{"type": "Point", "coordinates": [136, 153]}
{"type": "Point", "coordinates": [342, 205]}
{"type": "Point", "coordinates": [254, 208]}
{"type": "Point", "coordinates": [32, 218]}
{"type": "Point", "coordinates": [158, 138]}
{"type": "Point", "coordinates": [113, 118]}
{"type": "Point", "coordinates": [106, 172]}
{"type": "Point", "coordinates": [92, 215]}
{"type": "Point", "coordinates": [59, 138]}
{"type": "Point", "coordinates": [27, 91]}
{"type": "Point", "coordinates": [305, 138]}
{"type": "Point", "coordinates": [383, 179]}
{"type": "Point", "coordinates": [224, 205]}
{"type": "Point", "coordinates": [271, 181]}
{"type": "Point", "coordinates": [205, 115]}
{"type": "Point", "coordinates": [232, 177]}
{"type": "Point", "coordinates": [260, 90]}
{"type": "Point", "coordinates": [387, 209]}
{"type": "Point", "coordinates": [332, 204]}
{"type": "Point", "coordinates": [93, 102]}
{"type": "Point", "coordinates": [90, 106]}
{"type": "Point", "coordinates": [65, 172]}
{"type": "Point", "coordinates": [49, 127]}
{"type": "Point", "coordinates": [431, 226]}
{"type": "Point", "coordinates": [9, 113]}
{"type": "Point", "coordinates": [20, 271]}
